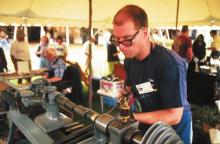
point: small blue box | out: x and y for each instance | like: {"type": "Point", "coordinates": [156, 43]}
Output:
{"type": "Point", "coordinates": [109, 101]}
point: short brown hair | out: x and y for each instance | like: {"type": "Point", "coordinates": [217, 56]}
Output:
{"type": "Point", "coordinates": [214, 32]}
{"type": "Point", "coordinates": [133, 12]}
{"type": "Point", "coordinates": [20, 35]}
{"type": "Point", "coordinates": [59, 37]}
{"type": "Point", "coordinates": [185, 28]}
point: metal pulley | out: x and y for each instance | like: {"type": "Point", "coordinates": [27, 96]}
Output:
{"type": "Point", "coordinates": [161, 133]}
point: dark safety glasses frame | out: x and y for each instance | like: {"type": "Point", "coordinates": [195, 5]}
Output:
{"type": "Point", "coordinates": [126, 42]}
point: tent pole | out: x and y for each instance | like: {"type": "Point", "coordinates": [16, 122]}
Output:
{"type": "Point", "coordinates": [177, 14]}
{"type": "Point", "coordinates": [26, 33]}
{"type": "Point", "coordinates": [25, 29]}
{"type": "Point", "coordinates": [90, 55]}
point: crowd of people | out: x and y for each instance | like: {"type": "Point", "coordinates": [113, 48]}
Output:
{"type": "Point", "coordinates": [194, 53]}
{"type": "Point", "coordinates": [197, 52]}
{"type": "Point", "coordinates": [51, 56]}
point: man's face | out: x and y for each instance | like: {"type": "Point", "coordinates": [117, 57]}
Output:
{"type": "Point", "coordinates": [127, 38]}
{"type": "Point", "coordinates": [44, 41]}
{"type": "Point", "coordinates": [2, 35]}
{"type": "Point", "coordinates": [59, 41]}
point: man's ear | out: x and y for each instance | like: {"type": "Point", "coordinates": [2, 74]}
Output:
{"type": "Point", "coordinates": [145, 31]}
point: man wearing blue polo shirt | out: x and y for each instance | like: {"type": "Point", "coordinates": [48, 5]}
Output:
{"type": "Point", "coordinates": [156, 76]}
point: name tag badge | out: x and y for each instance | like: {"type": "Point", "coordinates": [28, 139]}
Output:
{"type": "Point", "coordinates": [144, 88]}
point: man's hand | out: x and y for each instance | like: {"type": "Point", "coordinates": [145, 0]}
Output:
{"type": "Point", "coordinates": [54, 79]}
{"type": "Point", "coordinates": [124, 92]}
{"type": "Point", "coordinates": [45, 76]}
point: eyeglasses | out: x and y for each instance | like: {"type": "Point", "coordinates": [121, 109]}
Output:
{"type": "Point", "coordinates": [126, 42]}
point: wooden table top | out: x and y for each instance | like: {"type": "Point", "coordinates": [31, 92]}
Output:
{"type": "Point", "coordinates": [16, 75]}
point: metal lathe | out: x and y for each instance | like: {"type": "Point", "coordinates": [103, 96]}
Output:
{"type": "Point", "coordinates": [35, 112]}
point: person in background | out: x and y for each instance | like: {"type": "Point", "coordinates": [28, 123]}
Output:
{"type": "Point", "coordinates": [112, 57]}
{"type": "Point", "coordinates": [215, 45]}
{"type": "Point", "coordinates": [3, 40]}
{"type": "Point", "coordinates": [20, 52]}
{"type": "Point", "coordinates": [59, 73]}
{"type": "Point", "coordinates": [199, 47]}
{"type": "Point", "coordinates": [88, 55]}
{"type": "Point", "coordinates": [106, 36]}
{"type": "Point", "coordinates": [3, 62]}
{"type": "Point", "coordinates": [41, 49]}
{"type": "Point", "coordinates": [199, 51]}
{"type": "Point", "coordinates": [155, 76]}
{"type": "Point", "coordinates": [61, 48]}
{"type": "Point", "coordinates": [56, 66]}
{"type": "Point", "coordinates": [183, 45]}
{"type": "Point", "coordinates": [4, 50]}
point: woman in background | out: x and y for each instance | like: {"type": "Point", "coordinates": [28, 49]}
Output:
{"type": "Point", "coordinates": [41, 52]}
{"type": "Point", "coordinates": [199, 51]}
{"type": "Point", "coordinates": [199, 47]}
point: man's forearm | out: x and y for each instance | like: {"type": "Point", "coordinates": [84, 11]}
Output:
{"type": "Point", "coordinates": [54, 79]}
{"type": "Point", "coordinates": [170, 116]}
{"type": "Point", "coordinates": [212, 48]}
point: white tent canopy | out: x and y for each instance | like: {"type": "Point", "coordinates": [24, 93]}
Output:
{"type": "Point", "coordinates": [76, 12]}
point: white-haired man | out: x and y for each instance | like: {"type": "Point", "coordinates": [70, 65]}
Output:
{"type": "Point", "coordinates": [56, 65]}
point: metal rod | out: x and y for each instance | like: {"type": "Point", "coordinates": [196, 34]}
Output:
{"type": "Point", "coordinates": [90, 55]}
{"type": "Point", "coordinates": [177, 14]}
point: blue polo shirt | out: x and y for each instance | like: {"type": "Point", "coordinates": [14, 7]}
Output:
{"type": "Point", "coordinates": [166, 72]}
